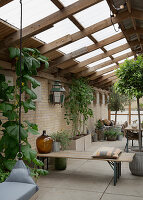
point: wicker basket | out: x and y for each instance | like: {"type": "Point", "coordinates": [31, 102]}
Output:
{"type": "Point", "coordinates": [136, 166]}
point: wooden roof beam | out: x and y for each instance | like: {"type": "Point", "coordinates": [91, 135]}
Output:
{"type": "Point", "coordinates": [82, 65]}
{"type": "Point", "coordinates": [65, 60]}
{"type": "Point", "coordinates": [48, 21]}
{"type": "Point", "coordinates": [106, 81]}
{"type": "Point", "coordinates": [4, 2]}
{"type": "Point", "coordinates": [105, 77]}
{"type": "Point", "coordinates": [92, 70]}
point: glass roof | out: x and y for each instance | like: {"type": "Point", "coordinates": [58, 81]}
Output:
{"type": "Point", "coordinates": [109, 73]}
{"type": "Point", "coordinates": [131, 57]}
{"type": "Point", "coordinates": [67, 2]}
{"type": "Point", "coordinates": [93, 14]}
{"type": "Point", "coordinates": [99, 62]}
{"type": "Point", "coordinates": [89, 55]}
{"type": "Point", "coordinates": [76, 45]}
{"type": "Point", "coordinates": [59, 30]}
{"type": "Point", "coordinates": [121, 53]}
{"type": "Point", "coordinates": [32, 11]}
{"type": "Point", "coordinates": [115, 44]}
{"type": "Point", "coordinates": [105, 33]}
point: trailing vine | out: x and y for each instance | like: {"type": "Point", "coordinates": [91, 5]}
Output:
{"type": "Point", "coordinates": [9, 106]}
{"type": "Point", "coordinates": [77, 104]}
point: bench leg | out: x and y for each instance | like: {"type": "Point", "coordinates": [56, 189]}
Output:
{"type": "Point", "coordinates": [115, 173]}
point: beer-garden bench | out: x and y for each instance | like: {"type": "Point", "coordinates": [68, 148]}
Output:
{"type": "Point", "coordinates": [115, 164]}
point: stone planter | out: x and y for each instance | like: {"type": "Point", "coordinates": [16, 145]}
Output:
{"type": "Point", "coordinates": [80, 144]}
{"type": "Point", "coordinates": [136, 166]}
{"type": "Point", "coordinates": [111, 138]}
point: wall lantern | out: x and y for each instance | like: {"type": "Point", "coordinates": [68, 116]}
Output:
{"type": "Point", "coordinates": [57, 93]}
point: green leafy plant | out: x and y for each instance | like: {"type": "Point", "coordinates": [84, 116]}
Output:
{"type": "Point", "coordinates": [77, 104]}
{"type": "Point", "coordinates": [117, 101]}
{"type": "Point", "coordinates": [63, 137]}
{"type": "Point", "coordinates": [9, 107]}
{"type": "Point", "coordinates": [130, 83]}
{"type": "Point", "coordinates": [111, 133]}
{"type": "Point", "coordinates": [99, 124]}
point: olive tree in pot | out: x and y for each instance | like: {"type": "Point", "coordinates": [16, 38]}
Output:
{"type": "Point", "coordinates": [130, 83]}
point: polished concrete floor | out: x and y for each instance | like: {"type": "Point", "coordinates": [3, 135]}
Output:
{"type": "Point", "coordinates": [91, 180]}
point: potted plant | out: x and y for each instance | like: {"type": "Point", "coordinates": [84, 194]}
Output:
{"type": "Point", "coordinates": [99, 127]}
{"type": "Point", "coordinates": [130, 75]}
{"type": "Point", "coordinates": [111, 134]}
{"type": "Point", "coordinates": [61, 140]}
{"type": "Point", "coordinates": [77, 107]}
{"type": "Point", "coordinates": [9, 107]}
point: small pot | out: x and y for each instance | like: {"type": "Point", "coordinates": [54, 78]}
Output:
{"type": "Point", "coordinates": [56, 146]}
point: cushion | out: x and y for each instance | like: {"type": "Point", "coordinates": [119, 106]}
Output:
{"type": "Point", "coordinates": [107, 152]}
{"type": "Point", "coordinates": [17, 191]}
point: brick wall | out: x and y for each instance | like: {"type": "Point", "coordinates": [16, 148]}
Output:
{"type": "Point", "coordinates": [50, 117]}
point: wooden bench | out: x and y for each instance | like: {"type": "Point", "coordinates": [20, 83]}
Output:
{"type": "Point", "coordinates": [114, 163]}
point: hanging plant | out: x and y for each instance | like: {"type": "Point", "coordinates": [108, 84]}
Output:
{"type": "Point", "coordinates": [77, 104]}
{"type": "Point", "coordinates": [9, 107]}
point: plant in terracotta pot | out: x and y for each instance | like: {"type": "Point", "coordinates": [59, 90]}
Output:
{"type": "Point", "coordinates": [99, 127]}
{"type": "Point", "coordinates": [130, 83]}
{"type": "Point", "coordinates": [61, 140]}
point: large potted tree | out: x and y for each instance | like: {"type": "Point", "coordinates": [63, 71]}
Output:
{"type": "Point", "coordinates": [116, 102]}
{"type": "Point", "coordinates": [77, 107]}
{"type": "Point", "coordinates": [130, 83]}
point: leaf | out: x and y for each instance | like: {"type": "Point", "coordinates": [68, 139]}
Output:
{"type": "Point", "coordinates": [38, 162]}
{"type": "Point", "coordinates": [28, 62]}
{"type": "Point", "coordinates": [5, 107]}
{"type": "Point", "coordinates": [9, 164]}
{"type": "Point", "coordinates": [31, 93]}
{"type": "Point", "coordinates": [28, 105]}
{"type": "Point", "coordinates": [34, 82]}
{"type": "Point", "coordinates": [14, 52]}
{"type": "Point", "coordinates": [33, 131]}
{"type": "Point", "coordinates": [34, 126]}
{"type": "Point", "coordinates": [13, 131]}
{"type": "Point", "coordinates": [35, 63]}
{"type": "Point", "coordinates": [28, 153]}
{"type": "Point", "coordinates": [28, 50]}
{"type": "Point", "coordinates": [11, 115]}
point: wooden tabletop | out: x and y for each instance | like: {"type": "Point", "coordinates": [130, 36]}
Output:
{"type": "Point", "coordinates": [124, 157]}
{"type": "Point", "coordinates": [130, 128]}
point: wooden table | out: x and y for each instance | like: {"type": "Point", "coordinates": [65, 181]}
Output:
{"type": "Point", "coordinates": [115, 164]}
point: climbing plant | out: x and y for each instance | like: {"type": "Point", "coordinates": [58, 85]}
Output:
{"type": "Point", "coordinates": [9, 108]}
{"type": "Point", "coordinates": [77, 104]}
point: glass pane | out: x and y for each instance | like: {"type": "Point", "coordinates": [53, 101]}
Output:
{"type": "Point", "coordinates": [59, 30]}
{"type": "Point", "coordinates": [99, 62]}
{"type": "Point", "coordinates": [121, 61]}
{"type": "Point", "coordinates": [121, 53]}
{"type": "Point", "coordinates": [93, 14]}
{"type": "Point", "coordinates": [109, 73]}
{"type": "Point", "coordinates": [67, 2]}
{"type": "Point", "coordinates": [115, 44]}
{"type": "Point", "coordinates": [76, 45]}
{"type": "Point", "coordinates": [89, 55]}
{"type": "Point", "coordinates": [33, 10]}
{"type": "Point", "coordinates": [105, 33]}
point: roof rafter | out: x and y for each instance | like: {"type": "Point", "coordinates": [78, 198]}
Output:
{"type": "Point", "coordinates": [4, 2]}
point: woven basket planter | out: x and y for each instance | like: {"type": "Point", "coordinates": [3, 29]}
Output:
{"type": "Point", "coordinates": [136, 166]}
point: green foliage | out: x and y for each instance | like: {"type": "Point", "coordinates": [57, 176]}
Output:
{"type": "Point", "coordinates": [99, 124]}
{"type": "Point", "coordinates": [130, 76]}
{"type": "Point", "coordinates": [9, 146]}
{"type": "Point", "coordinates": [3, 175]}
{"type": "Point", "coordinates": [111, 132]}
{"type": "Point", "coordinates": [116, 100]}
{"type": "Point", "coordinates": [63, 137]}
{"type": "Point", "coordinates": [77, 104]}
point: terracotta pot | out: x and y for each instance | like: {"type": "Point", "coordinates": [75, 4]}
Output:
{"type": "Point", "coordinates": [44, 143]}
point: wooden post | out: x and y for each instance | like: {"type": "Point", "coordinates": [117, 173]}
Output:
{"type": "Point", "coordinates": [109, 114]}
{"type": "Point", "coordinates": [129, 111]}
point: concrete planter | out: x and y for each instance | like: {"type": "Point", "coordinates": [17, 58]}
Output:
{"type": "Point", "coordinates": [80, 144]}
{"type": "Point", "coordinates": [136, 166]}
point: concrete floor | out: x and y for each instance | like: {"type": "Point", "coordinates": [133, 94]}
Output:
{"type": "Point", "coordinates": [91, 180]}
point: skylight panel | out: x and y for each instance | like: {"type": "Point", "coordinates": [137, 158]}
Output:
{"type": "Point", "coordinates": [67, 2]}
{"type": "Point", "coordinates": [121, 53]}
{"type": "Point", "coordinates": [93, 14]}
{"type": "Point", "coordinates": [121, 61]}
{"type": "Point", "coordinates": [99, 62]}
{"type": "Point", "coordinates": [76, 45]}
{"type": "Point", "coordinates": [115, 44]}
{"type": "Point", "coordinates": [59, 30]}
{"type": "Point", "coordinates": [89, 55]}
{"type": "Point", "coordinates": [33, 10]}
{"type": "Point", "coordinates": [105, 33]}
